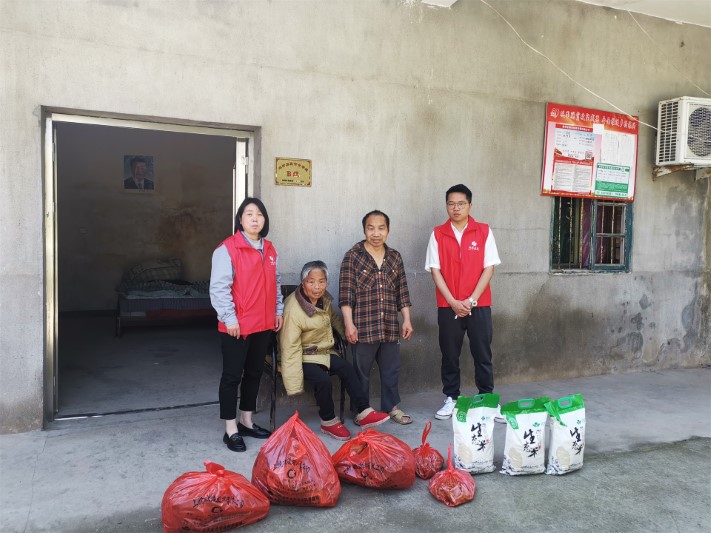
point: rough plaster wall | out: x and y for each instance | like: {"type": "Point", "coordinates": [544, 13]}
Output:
{"type": "Point", "coordinates": [705, 330]}
{"type": "Point", "coordinates": [393, 102]}
{"type": "Point", "coordinates": [103, 230]}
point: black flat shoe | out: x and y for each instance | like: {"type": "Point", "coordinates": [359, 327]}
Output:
{"type": "Point", "coordinates": [235, 442]}
{"type": "Point", "coordinates": [255, 431]}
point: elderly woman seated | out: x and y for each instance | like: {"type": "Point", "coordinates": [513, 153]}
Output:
{"type": "Point", "coordinates": [307, 351]}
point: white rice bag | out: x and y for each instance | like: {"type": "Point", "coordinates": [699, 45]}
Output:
{"type": "Point", "coordinates": [567, 446]}
{"type": "Point", "coordinates": [525, 447]}
{"type": "Point", "coordinates": [473, 424]}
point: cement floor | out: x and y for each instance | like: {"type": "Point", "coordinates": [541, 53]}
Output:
{"type": "Point", "coordinates": [647, 463]}
{"type": "Point", "coordinates": [145, 368]}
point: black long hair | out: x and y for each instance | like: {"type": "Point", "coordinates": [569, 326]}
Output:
{"type": "Point", "coordinates": [240, 212]}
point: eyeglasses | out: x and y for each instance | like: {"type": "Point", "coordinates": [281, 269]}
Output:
{"type": "Point", "coordinates": [457, 205]}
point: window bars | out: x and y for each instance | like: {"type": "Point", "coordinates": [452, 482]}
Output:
{"type": "Point", "coordinates": [589, 234]}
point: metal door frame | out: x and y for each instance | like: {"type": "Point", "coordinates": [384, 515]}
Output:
{"type": "Point", "coordinates": [246, 167]}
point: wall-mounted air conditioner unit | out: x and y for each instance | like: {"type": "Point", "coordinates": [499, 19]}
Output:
{"type": "Point", "coordinates": [684, 132]}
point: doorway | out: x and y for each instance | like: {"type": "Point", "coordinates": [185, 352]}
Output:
{"type": "Point", "coordinates": [133, 205]}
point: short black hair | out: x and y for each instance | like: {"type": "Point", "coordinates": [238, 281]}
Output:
{"type": "Point", "coordinates": [459, 188]}
{"type": "Point", "coordinates": [376, 213]}
{"type": "Point", "coordinates": [138, 159]}
{"type": "Point", "coordinates": [240, 212]}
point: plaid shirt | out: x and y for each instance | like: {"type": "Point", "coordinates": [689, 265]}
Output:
{"type": "Point", "coordinates": [375, 295]}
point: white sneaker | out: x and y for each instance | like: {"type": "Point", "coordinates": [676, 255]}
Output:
{"type": "Point", "coordinates": [498, 418]}
{"type": "Point", "coordinates": [446, 411]}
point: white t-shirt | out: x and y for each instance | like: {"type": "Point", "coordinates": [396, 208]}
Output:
{"type": "Point", "coordinates": [491, 254]}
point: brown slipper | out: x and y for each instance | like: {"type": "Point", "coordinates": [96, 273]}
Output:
{"type": "Point", "coordinates": [396, 415]}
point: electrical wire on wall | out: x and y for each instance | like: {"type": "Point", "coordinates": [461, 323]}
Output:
{"type": "Point", "coordinates": [562, 71]}
{"type": "Point", "coordinates": [666, 56]}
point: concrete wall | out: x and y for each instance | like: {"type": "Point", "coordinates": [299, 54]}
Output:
{"type": "Point", "coordinates": [103, 229]}
{"type": "Point", "coordinates": [394, 102]}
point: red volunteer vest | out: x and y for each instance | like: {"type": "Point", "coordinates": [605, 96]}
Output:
{"type": "Point", "coordinates": [254, 285]}
{"type": "Point", "coordinates": [462, 266]}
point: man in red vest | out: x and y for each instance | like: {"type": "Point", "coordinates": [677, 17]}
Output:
{"type": "Point", "coordinates": [461, 256]}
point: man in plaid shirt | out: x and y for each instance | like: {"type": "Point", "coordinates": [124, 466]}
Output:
{"type": "Point", "coordinates": [372, 290]}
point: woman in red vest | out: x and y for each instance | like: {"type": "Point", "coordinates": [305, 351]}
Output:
{"type": "Point", "coordinates": [245, 292]}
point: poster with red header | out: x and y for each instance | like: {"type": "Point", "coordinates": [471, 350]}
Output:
{"type": "Point", "coordinates": [589, 153]}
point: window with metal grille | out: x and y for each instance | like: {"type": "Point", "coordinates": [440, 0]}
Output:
{"type": "Point", "coordinates": [591, 234]}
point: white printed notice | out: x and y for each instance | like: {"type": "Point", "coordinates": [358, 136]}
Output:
{"type": "Point", "coordinates": [589, 153]}
{"type": "Point", "coordinates": [617, 148]}
{"type": "Point", "coordinates": [572, 175]}
{"type": "Point", "coordinates": [574, 142]}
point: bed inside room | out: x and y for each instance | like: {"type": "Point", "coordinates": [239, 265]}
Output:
{"type": "Point", "coordinates": [139, 213]}
{"type": "Point", "coordinates": [154, 293]}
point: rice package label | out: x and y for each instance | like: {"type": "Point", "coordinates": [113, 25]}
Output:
{"type": "Point", "coordinates": [473, 424]}
{"type": "Point", "coordinates": [567, 445]}
{"type": "Point", "coordinates": [525, 447]}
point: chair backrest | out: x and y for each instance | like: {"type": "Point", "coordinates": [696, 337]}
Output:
{"type": "Point", "coordinates": [286, 290]}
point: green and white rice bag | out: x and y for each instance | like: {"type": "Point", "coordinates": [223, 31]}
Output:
{"type": "Point", "coordinates": [525, 447]}
{"type": "Point", "coordinates": [567, 446]}
{"type": "Point", "coordinates": [473, 424]}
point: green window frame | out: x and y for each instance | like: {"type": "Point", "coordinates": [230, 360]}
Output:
{"type": "Point", "coordinates": [591, 235]}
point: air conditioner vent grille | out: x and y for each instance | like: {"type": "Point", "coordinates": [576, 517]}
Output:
{"type": "Point", "coordinates": [684, 132]}
{"type": "Point", "coordinates": [668, 117]}
{"type": "Point", "coordinates": [699, 140]}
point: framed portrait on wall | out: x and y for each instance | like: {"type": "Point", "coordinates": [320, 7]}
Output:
{"type": "Point", "coordinates": [138, 175]}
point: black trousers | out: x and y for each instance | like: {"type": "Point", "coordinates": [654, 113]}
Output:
{"type": "Point", "coordinates": [320, 378]}
{"type": "Point", "coordinates": [242, 362]}
{"type": "Point", "coordinates": [478, 327]}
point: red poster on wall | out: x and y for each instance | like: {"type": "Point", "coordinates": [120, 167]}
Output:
{"type": "Point", "coordinates": [589, 153]}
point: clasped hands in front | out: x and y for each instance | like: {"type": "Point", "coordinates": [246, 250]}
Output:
{"type": "Point", "coordinates": [233, 331]}
{"type": "Point", "coordinates": [461, 308]}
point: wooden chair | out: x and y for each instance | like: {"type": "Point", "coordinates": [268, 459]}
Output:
{"type": "Point", "coordinates": [272, 364]}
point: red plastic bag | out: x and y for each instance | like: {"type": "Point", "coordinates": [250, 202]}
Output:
{"type": "Point", "coordinates": [376, 460]}
{"type": "Point", "coordinates": [452, 487]}
{"type": "Point", "coordinates": [428, 461]}
{"type": "Point", "coordinates": [216, 500]}
{"type": "Point", "coordinates": [294, 468]}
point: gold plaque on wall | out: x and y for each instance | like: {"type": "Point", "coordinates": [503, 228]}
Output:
{"type": "Point", "coordinates": [288, 171]}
